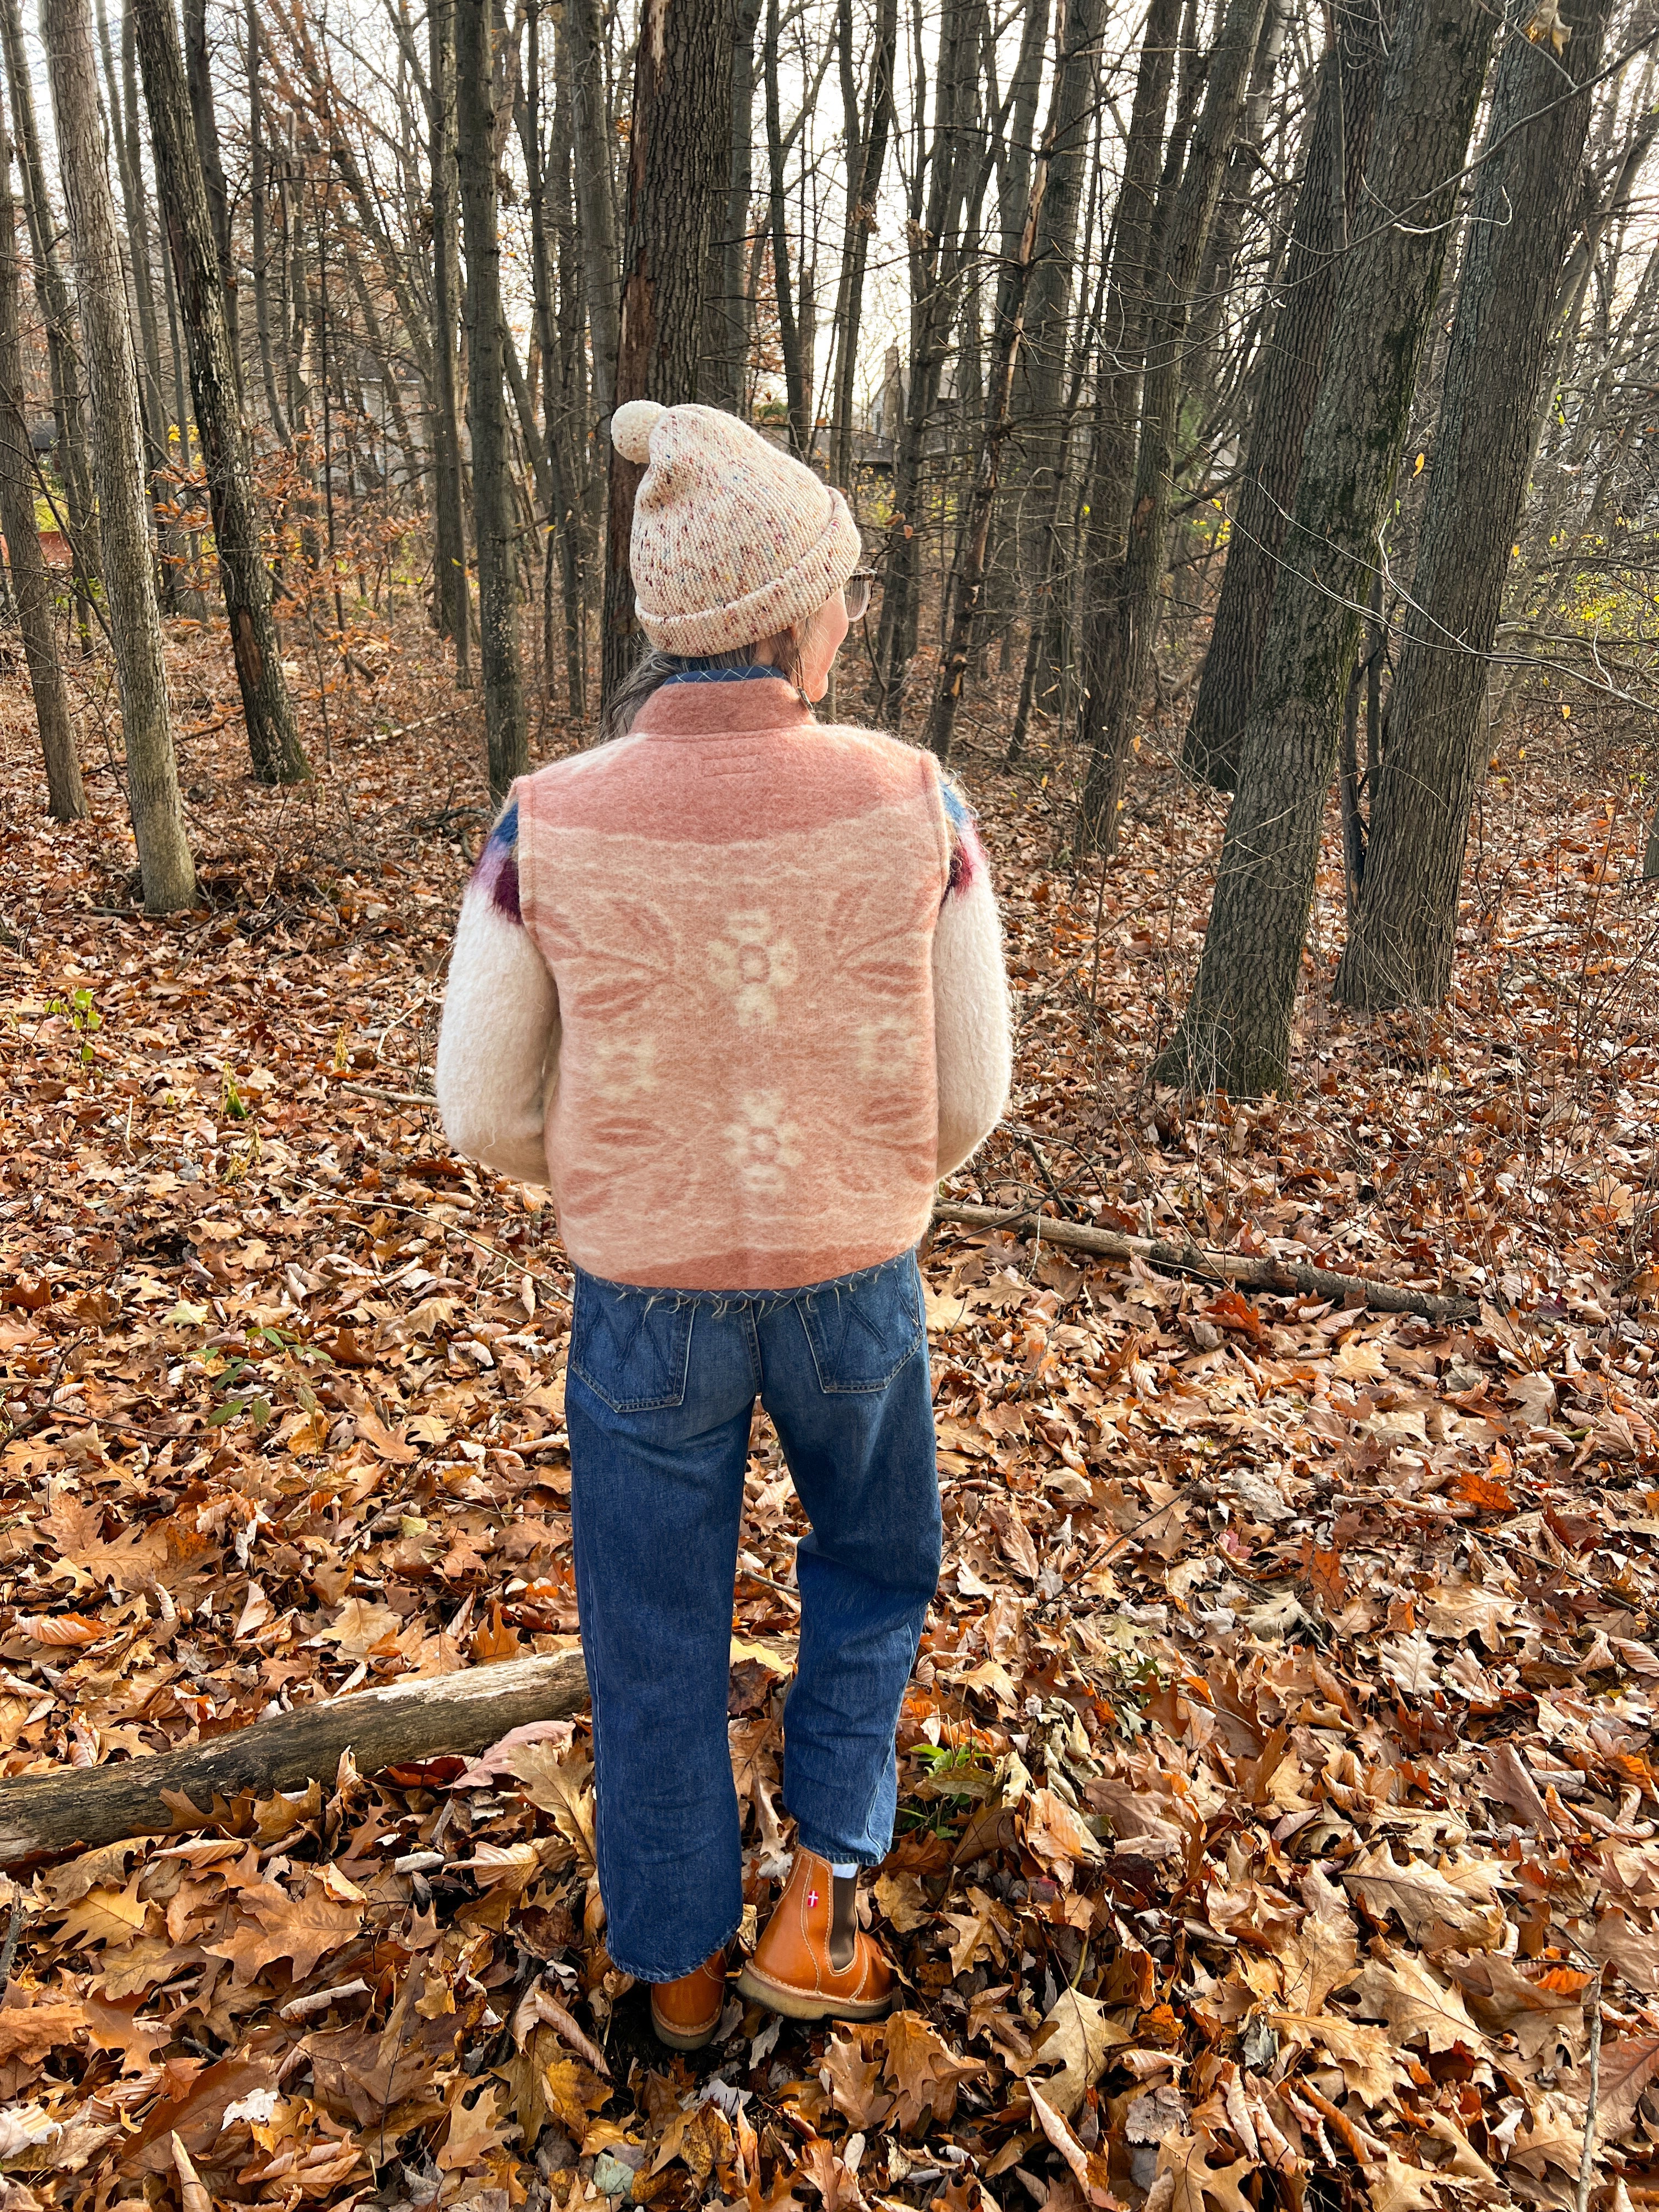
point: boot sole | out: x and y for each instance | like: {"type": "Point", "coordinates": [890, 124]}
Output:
{"type": "Point", "coordinates": [684, 2038]}
{"type": "Point", "coordinates": [802, 2004]}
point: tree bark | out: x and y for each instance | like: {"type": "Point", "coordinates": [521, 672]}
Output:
{"type": "Point", "coordinates": [1290, 385]}
{"type": "Point", "coordinates": [727, 308]}
{"type": "Point", "coordinates": [451, 603]}
{"type": "Point", "coordinates": [864, 190]}
{"type": "Point", "coordinates": [677, 173]}
{"type": "Point", "coordinates": [205, 125]}
{"type": "Point", "coordinates": [582, 46]}
{"type": "Point", "coordinates": [66, 798]}
{"type": "Point", "coordinates": [53, 294]}
{"type": "Point", "coordinates": [1117, 646]}
{"type": "Point", "coordinates": [1236, 1034]}
{"type": "Point", "coordinates": [168, 875]}
{"type": "Point", "coordinates": [258, 201]}
{"type": "Point", "coordinates": [795, 385]}
{"type": "Point", "coordinates": [1040, 378]}
{"type": "Point", "coordinates": [1402, 949]}
{"type": "Point", "coordinates": [1123, 336]}
{"type": "Point", "coordinates": [273, 737]}
{"type": "Point", "coordinates": [492, 482]}
{"type": "Point", "coordinates": [85, 1807]}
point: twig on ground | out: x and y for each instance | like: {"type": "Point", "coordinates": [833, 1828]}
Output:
{"type": "Point", "coordinates": [1285, 1277]}
{"type": "Point", "coordinates": [1587, 2157]}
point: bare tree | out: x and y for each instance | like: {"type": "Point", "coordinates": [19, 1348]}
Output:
{"type": "Point", "coordinates": [66, 796]}
{"type": "Point", "coordinates": [128, 578]}
{"type": "Point", "coordinates": [273, 736]}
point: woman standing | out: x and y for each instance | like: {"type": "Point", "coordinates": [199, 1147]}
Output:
{"type": "Point", "coordinates": [732, 986]}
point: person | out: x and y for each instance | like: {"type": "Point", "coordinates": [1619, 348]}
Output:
{"type": "Point", "coordinates": [732, 984]}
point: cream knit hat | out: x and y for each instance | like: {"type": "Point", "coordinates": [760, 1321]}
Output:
{"type": "Point", "coordinates": [732, 540]}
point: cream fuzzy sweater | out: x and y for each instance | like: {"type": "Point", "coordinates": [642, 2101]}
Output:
{"type": "Point", "coordinates": [733, 987]}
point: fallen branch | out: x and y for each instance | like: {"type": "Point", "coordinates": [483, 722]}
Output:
{"type": "Point", "coordinates": [42, 1815]}
{"type": "Point", "coordinates": [1286, 1277]}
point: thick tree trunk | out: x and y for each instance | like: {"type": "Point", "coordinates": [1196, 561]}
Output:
{"type": "Point", "coordinates": [1236, 1034]}
{"type": "Point", "coordinates": [205, 124]}
{"type": "Point", "coordinates": [85, 1807]}
{"type": "Point", "coordinates": [1118, 642]}
{"type": "Point", "coordinates": [582, 50]}
{"type": "Point", "coordinates": [273, 737]}
{"type": "Point", "coordinates": [864, 190]}
{"type": "Point", "coordinates": [66, 798]}
{"type": "Point", "coordinates": [492, 480]}
{"type": "Point", "coordinates": [1261, 505]}
{"type": "Point", "coordinates": [1400, 952]}
{"type": "Point", "coordinates": [451, 604]}
{"type": "Point", "coordinates": [169, 878]}
{"type": "Point", "coordinates": [677, 166]}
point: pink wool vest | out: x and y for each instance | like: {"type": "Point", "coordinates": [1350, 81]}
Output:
{"type": "Point", "coordinates": [738, 907]}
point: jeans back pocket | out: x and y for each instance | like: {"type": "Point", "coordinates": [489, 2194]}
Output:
{"type": "Point", "coordinates": [631, 1348]}
{"type": "Point", "coordinates": [861, 1332]}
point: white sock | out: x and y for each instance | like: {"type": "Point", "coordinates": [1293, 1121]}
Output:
{"type": "Point", "coordinates": [844, 1873]}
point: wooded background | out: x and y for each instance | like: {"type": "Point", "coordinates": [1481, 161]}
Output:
{"type": "Point", "coordinates": [1266, 390]}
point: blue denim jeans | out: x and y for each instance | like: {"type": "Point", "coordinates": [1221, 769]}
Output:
{"type": "Point", "coordinates": [660, 1396]}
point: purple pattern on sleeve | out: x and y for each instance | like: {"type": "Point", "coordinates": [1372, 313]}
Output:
{"type": "Point", "coordinates": [497, 873]}
{"type": "Point", "coordinates": [966, 854]}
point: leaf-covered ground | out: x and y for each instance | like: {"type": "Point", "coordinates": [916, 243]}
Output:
{"type": "Point", "coordinates": [1276, 1775]}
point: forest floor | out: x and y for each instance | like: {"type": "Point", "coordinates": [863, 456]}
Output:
{"type": "Point", "coordinates": [1279, 1789]}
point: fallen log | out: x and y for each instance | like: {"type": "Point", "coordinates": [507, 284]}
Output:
{"type": "Point", "coordinates": [43, 1815]}
{"type": "Point", "coordinates": [1285, 1277]}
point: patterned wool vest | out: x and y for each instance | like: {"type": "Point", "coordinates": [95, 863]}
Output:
{"type": "Point", "coordinates": [738, 906]}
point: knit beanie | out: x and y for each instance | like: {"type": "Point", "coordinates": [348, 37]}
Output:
{"type": "Point", "coordinates": [732, 540]}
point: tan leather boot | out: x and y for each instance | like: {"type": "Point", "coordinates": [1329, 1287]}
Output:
{"type": "Point", "coordinates": [686, 2012]}
{"type": "Point", "coordinates": [790, 1971]}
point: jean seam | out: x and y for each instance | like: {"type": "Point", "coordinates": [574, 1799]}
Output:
{"type": "Point", "coordinates": [658, 1974]}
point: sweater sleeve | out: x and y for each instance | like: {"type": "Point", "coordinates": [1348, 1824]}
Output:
{"type": "Point", "coordinates": [498, 1048]}
{"type": "Point", "coordinates": [971, 1029]}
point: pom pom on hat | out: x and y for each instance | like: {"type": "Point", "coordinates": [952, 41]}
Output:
{"type": "Point", "coordinates": [733, 539]}
{"type": "Point", "coordinates": [631, 427]}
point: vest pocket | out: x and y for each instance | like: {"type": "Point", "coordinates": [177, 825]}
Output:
{"type": "Point", "coordinates": [632, 1351]}
{"type": "Point", "coordinates": [861, 1333]}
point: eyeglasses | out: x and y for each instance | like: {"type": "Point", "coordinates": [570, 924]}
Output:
{"type": "Point", "coordinates": [856, 593]}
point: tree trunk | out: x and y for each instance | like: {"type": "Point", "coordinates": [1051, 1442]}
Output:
{"type": "Point", "coordinates": [273, 737]}
{"type": "Point", "coordinates": [864, 192]}
{"type": "Point", "coordinates": [726, 334]}
{"type": "Point", "coordinates": [492, 481]}
{"type": "Point", "coordinates": [677, 172]}
{"type": "Point", "coordinates": [53, 294]}
{"type": "Point", "coordinates": [582, 35]}
{"type": "Point", "coordinates": [1218, 272]}
{"type": "Point", "coordinates": [1040, 378]}
{"type": "Point", "coordinates": [451, 604]}
{"type": "Point", "coordinates": [1400, 952]}
{"type": "Point", "coordinates": [795, 385]}
{"type": "Point", "coordinates": [66, 798]}
{"type": "Point", "coordinates": [258, 200]}
{"type": "Point", "coordinates": [88, 1806]}
{"type": "Point", "coordinates": [1117, 646]}
{"type": "Point", "coordinates": [1236, 1034]}
{"type": "Point", "coordinates": [560, 503]}
{"type": "Point", "coordinates": [965, 585]}
{"type": "Point", "coordinates": [935, 248]}
{"type": "Point", "coordinates": [169, 878]}
{"type": "Point", "coordinates": [1123, 337]}
{"type": "Point", "coordinates": [205, 124]}
{"type": "Point", "coordinates": [1261, 505]}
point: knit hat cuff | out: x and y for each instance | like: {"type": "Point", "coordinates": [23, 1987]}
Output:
{"type": "Point", "coordinates": [800, 591]}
